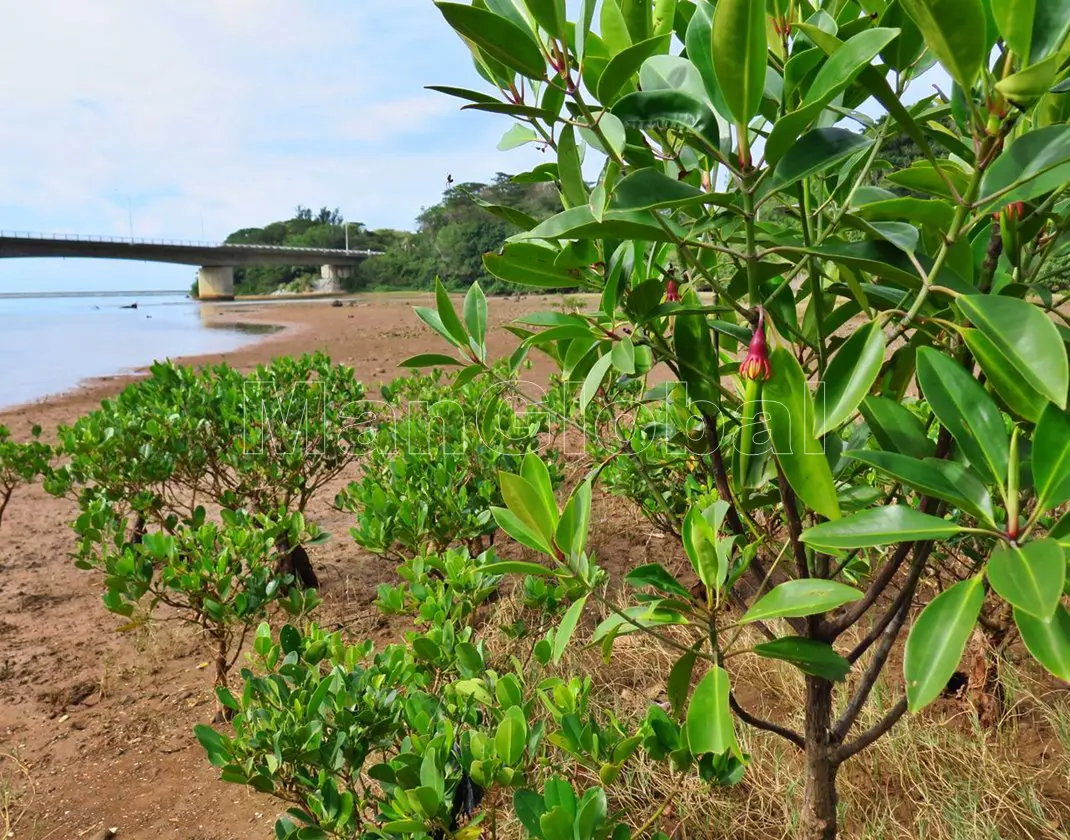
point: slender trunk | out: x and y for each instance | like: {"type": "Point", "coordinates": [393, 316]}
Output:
{"type": "Point", "coordinates": [818, 820]}
{"type": "Point", "coordinates": [223, 713]}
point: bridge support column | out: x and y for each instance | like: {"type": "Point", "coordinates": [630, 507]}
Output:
{"type": "Point", "coordinates": [215, 282]}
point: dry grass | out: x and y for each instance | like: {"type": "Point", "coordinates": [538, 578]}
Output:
{"type": "Point", "coordinates": [17, 793]}
{"type": "Point", "coordinates": [936, 776]}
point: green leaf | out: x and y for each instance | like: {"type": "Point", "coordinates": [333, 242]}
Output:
{"type": "Point", "coordinates": [511, 736]}
{"type": "Point", "coordinates": [519, 531]}
{"type": "Point", "coordinates": [594, 380]}
{"type": "Point", "coordinates": [529, 809]}
{"type": "Point", "coordinates": [700, 545]}
{"type": "Point", "coordinates": [1019, 396]}
{"type": "Point", "coordinates": [670, 109]}
{"type": "Point", "coordinates": [573, 188]}
{"type": "Point", "coordinates": [937, 639]}
{"type": "Point", "coordinates": [475, 313]}
{"type": "Point", "coordinates": [448, 315]}
{"type": "Point", "coordinates": [699, 40]}
{"type": "Point", "coordinates": [567, 627]}
{"type": "Point", "coordinates": [709, 726]}
{"type": "Point", "coordinates": [212, 742]}
{"type": "Point", "coordinates": [463, 93]}
{"type": "Point", "coordinates": [580, 223]}
{"type": "Point", "coordinates": [1029, 577]}
{"type": "Point", "coordinates": [655, 575]}
{"type": "Point", "coordinates": [896, 428]}
{"type": "Point", "coordinates": [810, 656]}
{"type": "Point", "coordinates": [947, 480]}
{"type": "Point", "coordinates": [879, 526]}
{"type": "Point", "coordinates": [429, 360]}
{"type": "Point", "coordinates": [954, 31]}
{"type": "Point", "coordinates": [1034, 164]}
{"type": "Point", "coordinates": [1026, 338]}
{"type": "Point", "coordinates": [497, 36]}
{"type": "Point", "coordinates": [625, 65]}
{"type": "Point", "coordinates": [1048, 641]}
{"type": "Point", "coordinates": [651, 189]}
{"type": "Point", "coordinates": [801, 598]}
{"type": "Point", "coordinates": [967, 412]}
{"type": "Point", "coordinates": [623, 355]}
{"type": "Point", "coordinates": [849, 376]}
{"type": "Point", "coordinates": [1051, 458]}
{"type": "Point", "coordinates": [432, 319]}
{"type": "Point", "coordinates": [550, 15]}
{"type": "Point", "coordinates": [510, 214]}
{"type": "Point", "coordinates": [680, 681]}
{"type": "Point", "coordinates": [843, 66]}
{"type": "Point", "coordinates": [1033, 29]}
{"type": "Point", "coordinates": [526, 501]}
{"type": "Point", "coordinates": [789, 413]}
{"type": "Point", "coordinates": [571, 532]}
{"type": "Point", "coordinates": [815, 152]}
{"type": "Point", "coordinates": [531, 265]}
{"type": "Point", "coordinates": [933, 212]}
{"type": "Point", "coordinates": [614, 28]}
{"type": "Point", "coordinates": [516, 137]}
{"type": "Point", "coordinates": [740, 55]}
{"type": "Point", "coordinates": [671, 72]}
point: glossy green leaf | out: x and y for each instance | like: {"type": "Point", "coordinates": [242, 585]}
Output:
{"type": "Point", "coordinates": [1048, 641]}
{"type": "Point", "coordinates": [835, 75]}
{"type": "Point", "coordinates": [848, 378]}
{"type": "Point", "coordinates": [594, 380]}
{"type": "Point", "coordinates": [879, 526]}
{"type": "Point", "coordinates": [624, 66]}
{"type": "Point", "coordinates": [709, 726]}
{"type": "Point", "coordinates": [516, 567]}
{"type": "Point", "coordinates": [656, 576]}
{"type": "Point", "coordinates": [1026, 337]}
{"type": "Point", "coordinates": [475, 313]}
{"type": "Point", "coordinates": [567, 627]}
{"type": "Point", "coordinates": [789, 413]}
{"type": "Point", "coordinates": [516, 137]}
{"type": "Point", "coordinates": [1051, 458]}
{"type": "Point", "coordinates": [651, 189]}
{"type": "Point", "coordinates": [550, 15]}
{"type": "Point", "coordinates": [526, 502]}
{"type": "Point", "coordinates": [510, 214]}
{"type": "Point", "coordinates": [571, 533]}
{"type": "Point", "coordinates": [530, 265]}
{"type": "Point", "coordinates": [580, 223]}
{"type": "Point", "coordinates": [510, 738]}
{"type": "Point", "coordinates": [693, 345]}
{"type": "Point", "coordinates": [896, 428]}
{"type": "Point", "coordinates": [810, 656]}
{"type": "Point", "coordinates": [671, 72]}
{"type": "Point", "coordinates": [815, 152]}
{"type": "Point", "coordinates": [535, 472]}
{"type": "Point", "coordinates": [670, 109]}
{"type": "Point", "coordinates": [679, 682]}
{"type": "Point", "coordinates": [955, 32]}
{"type": "Point", "coordinates": [1019, 396]}
{"type": "Point", "coordinates": [1033, 29]}
{"type": "Point", "coordinates": [739, 55]}
{"type": "Point", "coordinates": [948, 480]}
{"type": "Point", "coordinates": [1030, 577]}
{"type": "Point", "coordinates": [699, 40]}
{"type": "Point", "coordinates": [801, 598]}
{"type": "Point", "coordinates": [937, 639]}
{"type": "Point", "coordinates": [967, 412]}
{"type": "Point", "coordinates": [623, 355]}
{"type": "Point", "coordinates": [497, 36]}
{"type": "Point", "coordinates": [928, 211]}
{"type": "Point", "coordinates": [429, 360]}
{"type": "Point", "coordinates": [570, 167]}
{"type": "Point", "coordinates": [1035, 163]}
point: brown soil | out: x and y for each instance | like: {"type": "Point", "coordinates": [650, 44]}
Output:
{"type": "Point", "coordinates": [103, 720]}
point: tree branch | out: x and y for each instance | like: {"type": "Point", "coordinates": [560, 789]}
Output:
{"type": "Point", "coordinates": [765, 725]}
{"type": "Point", "coordinates": [872, 734]}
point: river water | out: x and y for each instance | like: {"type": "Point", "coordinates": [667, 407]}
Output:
{"type": "Point", "coordinates": [50, 344]}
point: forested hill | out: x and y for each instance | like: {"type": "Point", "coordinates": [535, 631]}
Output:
{"type": "Point", "coordinates": [449, 241]}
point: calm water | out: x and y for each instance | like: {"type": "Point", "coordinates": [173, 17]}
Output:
{"type": "Point", "coordinates": [51, 344]}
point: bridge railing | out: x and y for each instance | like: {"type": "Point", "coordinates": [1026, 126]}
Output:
{"type": "Point", "coordinates": [180, 243]}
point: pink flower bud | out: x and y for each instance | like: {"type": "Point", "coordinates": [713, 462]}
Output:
{"type": "Point", "coordinates": [672, 291]}
{"type": "Point", "coordinates": [756, 365]}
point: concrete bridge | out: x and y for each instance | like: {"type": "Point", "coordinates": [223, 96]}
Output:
{"type": "Point", "coordinates": [217, 260]}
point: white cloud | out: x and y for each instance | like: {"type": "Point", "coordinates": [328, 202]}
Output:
{"type": "Point", "coordinates": [228, 113]}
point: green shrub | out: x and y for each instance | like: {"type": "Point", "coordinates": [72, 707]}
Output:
{"type": "Point", "coordinates": [20, 464]}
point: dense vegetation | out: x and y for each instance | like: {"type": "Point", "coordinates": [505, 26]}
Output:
{"type": "Point", "coordinates": [450, 240]}
{"type": "Point", "coordinates": [859, 426]}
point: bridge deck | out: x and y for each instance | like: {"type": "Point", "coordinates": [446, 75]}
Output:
{"type": "Point", "coordinates": [14, 244]}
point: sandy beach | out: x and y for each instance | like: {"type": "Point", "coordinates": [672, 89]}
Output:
{"type": "Point", "coordinates": [101, 721]}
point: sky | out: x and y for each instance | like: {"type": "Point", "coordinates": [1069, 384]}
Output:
{"type": "Point", "coordinates": [199, 117]}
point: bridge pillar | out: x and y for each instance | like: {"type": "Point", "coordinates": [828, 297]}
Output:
{"type": "Point", "coordinates": [215, 282]}
{"type": "Point", "coordinates": [336, 272]}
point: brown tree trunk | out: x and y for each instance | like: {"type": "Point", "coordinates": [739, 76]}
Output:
{"type": "Point", "coordinates": [223, 714]}
{"type": "Point", "coordinates": [818, 820]}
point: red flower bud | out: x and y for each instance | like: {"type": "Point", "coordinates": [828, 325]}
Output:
{"type": "Point", "coordinates": [672, 291]}
{"type": "Point", "coordinates": [756, 365]}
